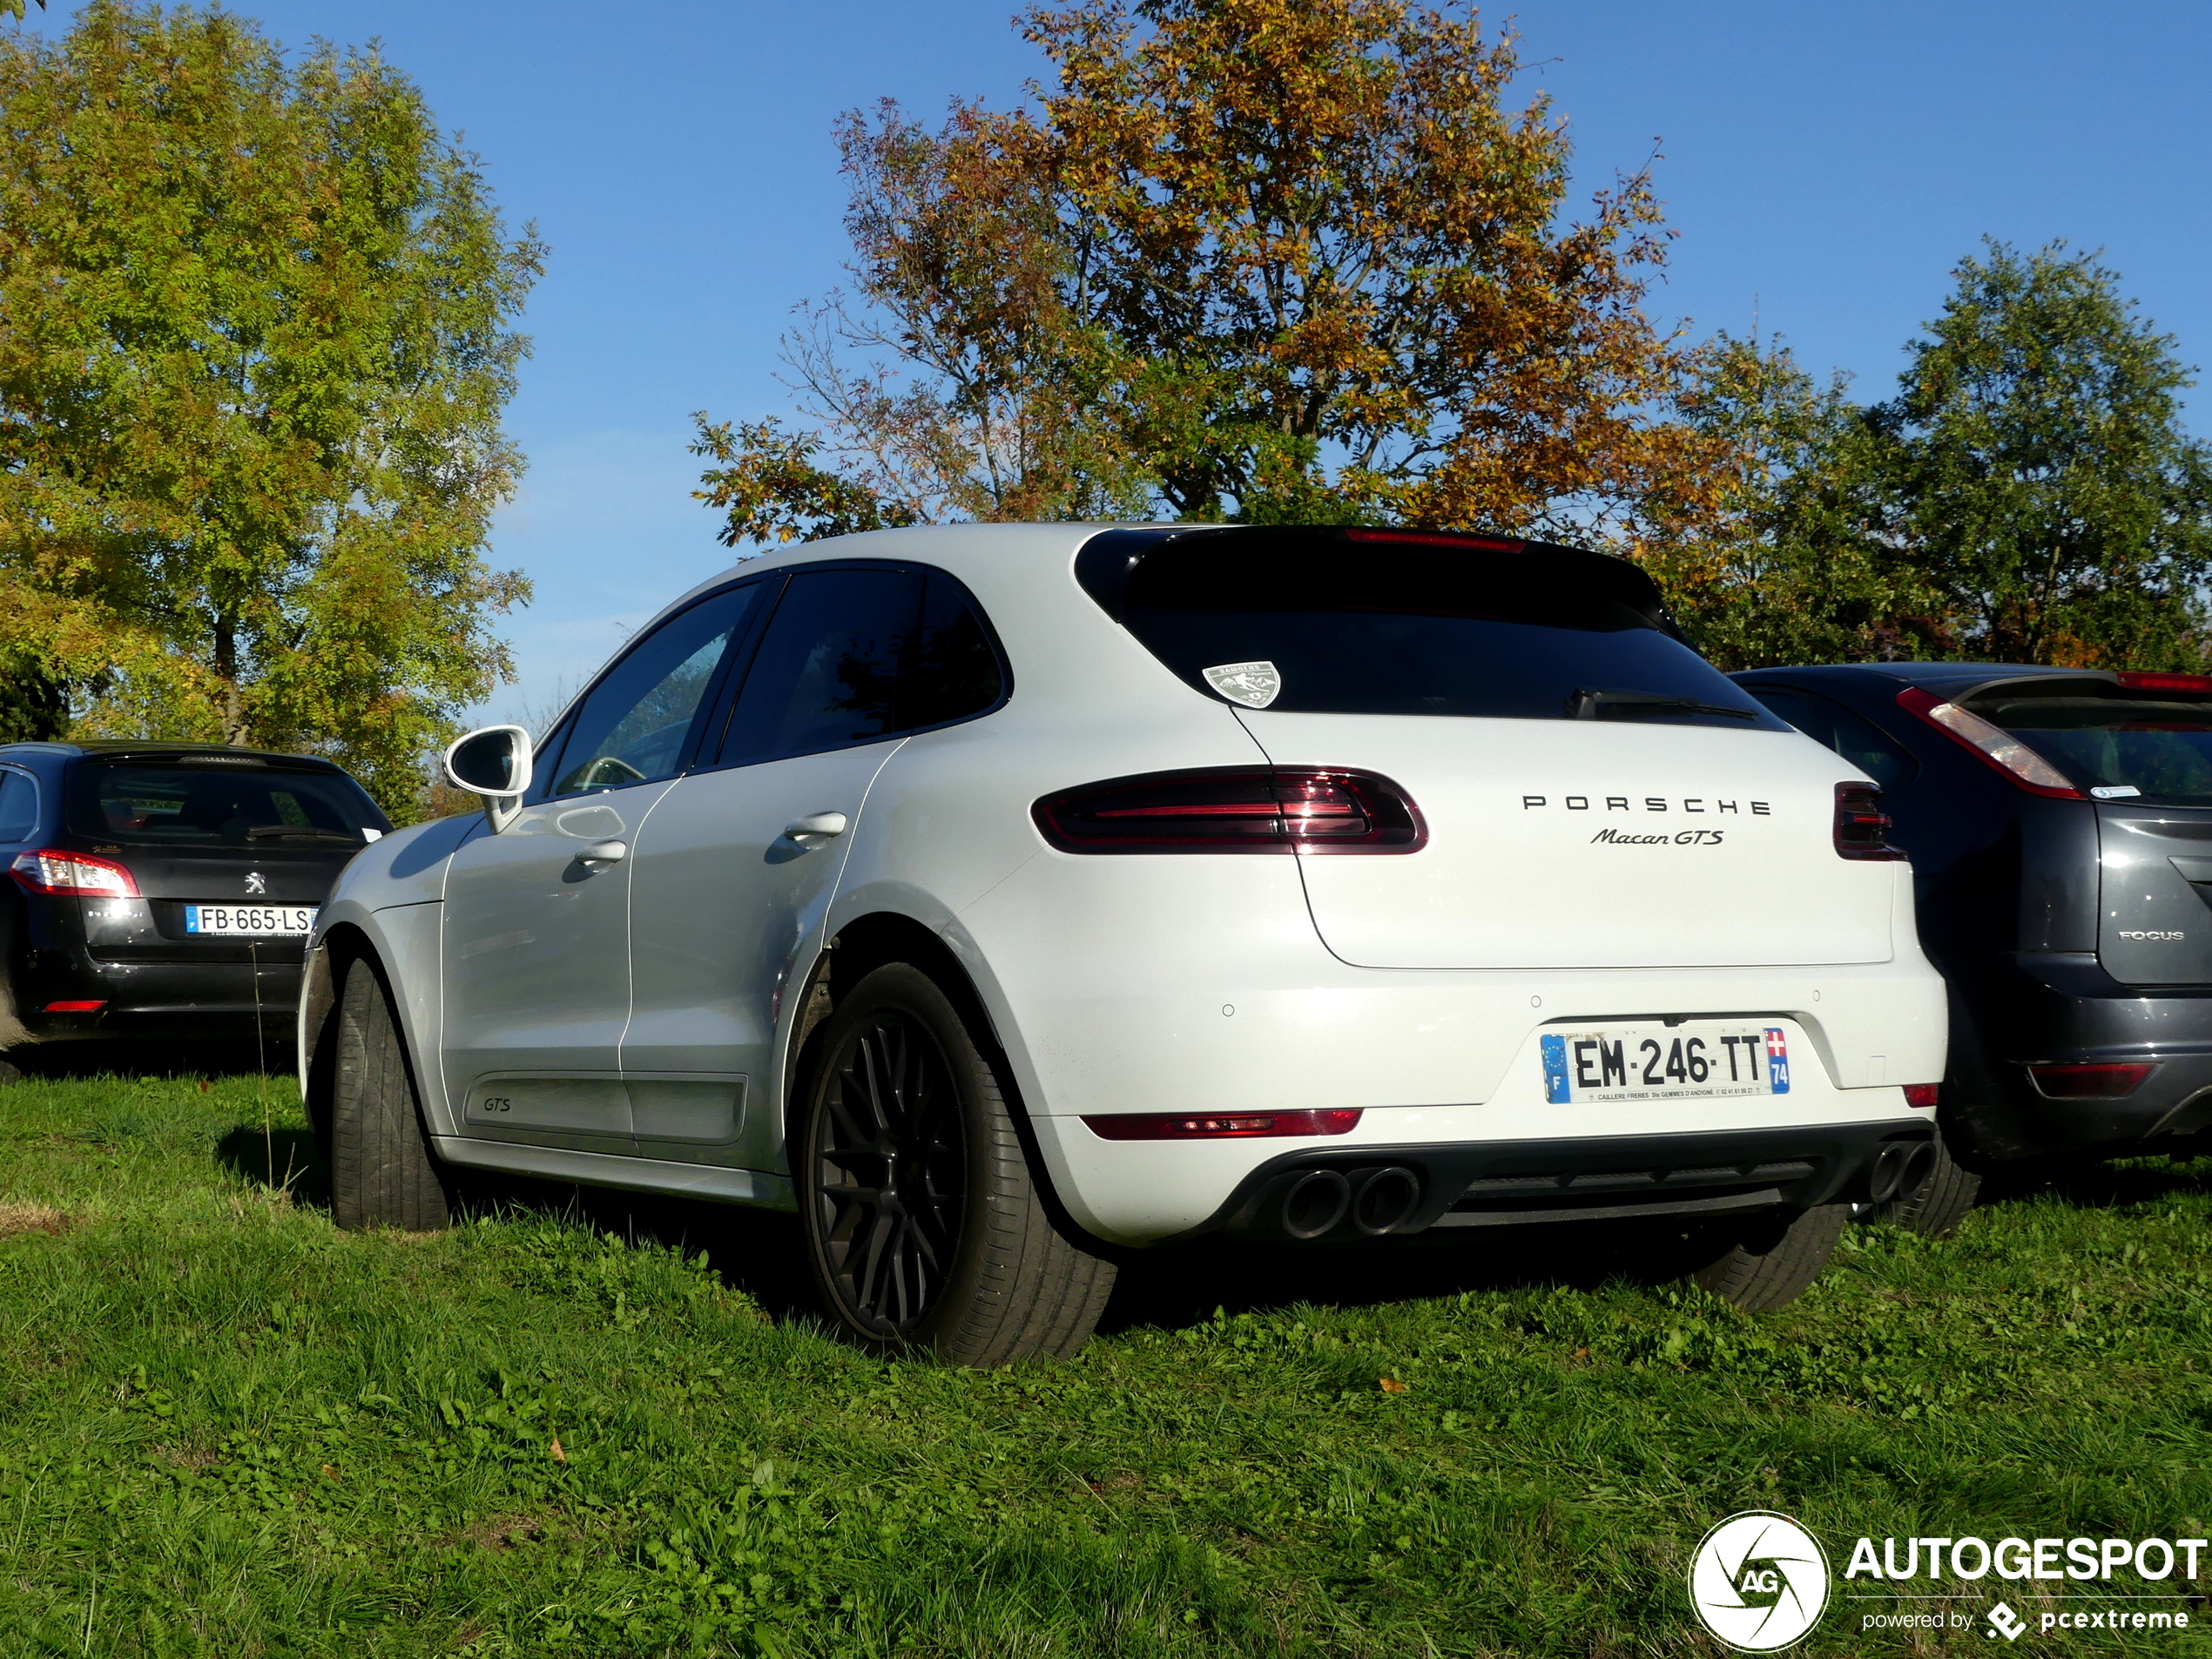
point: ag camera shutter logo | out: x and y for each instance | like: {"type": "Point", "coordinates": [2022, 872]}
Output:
{"type": "Point", "coordinates": [1759, 1582]}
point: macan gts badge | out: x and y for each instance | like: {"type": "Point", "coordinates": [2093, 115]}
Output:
{"type": "Point", "coordinates": [999, 900]}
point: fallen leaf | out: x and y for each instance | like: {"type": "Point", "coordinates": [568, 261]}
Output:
{"type": "Point", "coordinates": [330, 1469]}
{"type": "Point", "coordinates": [1392, 1386]}
{"type": "Point", "coordinates": [559, 1456]}
{"type": "Point", "coordinates": [1582, 1353]}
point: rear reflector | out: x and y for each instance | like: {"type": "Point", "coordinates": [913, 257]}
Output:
{"type": "Point", "coordinates": [75, 1007]}
{"type": "Point", "coordinates": [1235, 809]}
{"type": "Point", "coordinates": [1167, 1126]}
{"type": "Point", "coordinates": [1862, 827]}
{"type": "Point", "coordinates": [1920, 1095]}
{"type": "Point", "coordinates": [2100, 1081]}
{"type": "Point", "coordinates": [1992, 745]}
{"type": "Point", "coordinates": [66, 875]}
{"type": "Point", "coordinates": [2199, 682]}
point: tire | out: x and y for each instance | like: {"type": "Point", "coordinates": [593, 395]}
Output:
{"type": "Point", "coordinates": [381, 1173]}
{"type": "Point", "coordinates": [1939, 1204]}
{"type": "Point", "coordinates": [924, 1227]}
{"type": "Point", "coordinates": [1771, 1261]}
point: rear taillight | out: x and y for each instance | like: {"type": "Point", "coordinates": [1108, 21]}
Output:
{"type": "Point", "coordinates": [2098, 1081]}
{"type": "Point", "coordinates": [1235, 809]}
{"type": "Point", "coordinates": [1923, 1095]}
{"type": "Point", "coordinates": [1224, 1126]}
{"type": "Point", "coordinates": [1862, 827]}
{"type": "Point", "coordinates": [1993, 744]}
{"type": "Point", "coordinates": [67, 876]}
{"type": "Point", "coordinates": [2198, 682]}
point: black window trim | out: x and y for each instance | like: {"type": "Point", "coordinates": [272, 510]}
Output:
{"type": "Point", "coordinates": [1903, 739]}
{"type": "Point", "coordinates": [732, 686]}
{"type": "Point", "coordinates": [38, 797]}
{"type": "Point", "coordinates": [739, 649]}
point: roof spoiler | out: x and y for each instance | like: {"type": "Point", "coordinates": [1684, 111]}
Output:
{"type": "Point", "coordinates": [1105, 562]}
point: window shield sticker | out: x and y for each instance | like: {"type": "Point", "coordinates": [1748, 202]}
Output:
{"type": "Point", "coordinates": [1253, 685]}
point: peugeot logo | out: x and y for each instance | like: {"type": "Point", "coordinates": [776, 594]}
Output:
{"type": "Point", "coordinates": [255, 883]}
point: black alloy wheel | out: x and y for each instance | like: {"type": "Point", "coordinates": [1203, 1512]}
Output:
{"type": "Point", "coordinates": [925, 1226]}
{"type": "Point", "coordinates": [891, 1180]}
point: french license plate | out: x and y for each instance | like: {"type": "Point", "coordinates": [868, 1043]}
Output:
{"type": "Point", "coordinates": [1665, 1062]}
{"type": "Point", "coordinates": [266, 921]}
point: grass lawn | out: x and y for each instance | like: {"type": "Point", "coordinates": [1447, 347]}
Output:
{"type": "Point", "coordinates": [605, 1428]}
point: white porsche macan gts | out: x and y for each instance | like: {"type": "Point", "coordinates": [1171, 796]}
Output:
{"type": "Point", "coordinates": [1004, 898]}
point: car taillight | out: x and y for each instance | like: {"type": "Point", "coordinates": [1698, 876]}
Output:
{"type": "Point", "coordinates": [1862, 827]}
{"type": "Point", "coordinates": [2198, 682]}
{"type": "Point", "coordinates": [67, 876]}
{"type": "Point", "coordinates": [2090, 1081]}
{"type": "Point", "coordinates": [1235, 809]}
{"type": "Point", "coordinates": [1181, 1126]}
{"type": "Point", "coordinates": [1920, 1095]}
{"type": "Point", "coordinates": [1993, 744]}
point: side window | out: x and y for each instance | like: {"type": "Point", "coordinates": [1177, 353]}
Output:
{"type": "Point", "coordinates": [633, 728]}
{"type": "Point", "coordinates": [1858, 740]}
{"type": "Point", "coordinates": [18, 807]}
{"type": "Point", "coordinates": [954, 672]}
{"type": "Point", "coordinates": [827, 674]}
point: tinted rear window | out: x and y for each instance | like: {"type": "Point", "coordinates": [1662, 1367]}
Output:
{"type": "Point", "coordinates": [1413, 630]}
{"type": "Point", "coordinates": [218, 803]}
{"type": "Point", "coordinates": [2158, 748]}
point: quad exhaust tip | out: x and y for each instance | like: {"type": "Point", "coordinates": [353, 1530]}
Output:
{"type": "Point", "coordinates": [1900, 1169]}
{"type": "Point", "coordinates": [1384, 1200]}
{"type": "Point", "coordinates": [1315, 1203]}
{"type": "Point", "coordinates": [1374, 1202]}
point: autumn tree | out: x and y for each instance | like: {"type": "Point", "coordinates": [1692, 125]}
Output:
{"type": "Point", "coordinates": [254, 341]}
{"type": "Point", "coordinates": [1263, 259]}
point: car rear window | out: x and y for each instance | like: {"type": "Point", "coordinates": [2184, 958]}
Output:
{"type": "Point", "coordinates": [1410, 629]}
{"type": "Point", "coordinates": [2117, 746]}
{"type": "Point", "coordinates": [218, 802]}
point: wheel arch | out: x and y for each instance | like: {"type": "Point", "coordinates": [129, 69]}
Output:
{"type": "Point", "coordinates": [872, 940]}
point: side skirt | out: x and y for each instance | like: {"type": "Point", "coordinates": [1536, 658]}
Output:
{"type": "Point", "coordinates": [756, 1188]}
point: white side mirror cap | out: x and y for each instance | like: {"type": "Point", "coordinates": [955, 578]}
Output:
{"type": "Point", "coordinates": [494, 762]}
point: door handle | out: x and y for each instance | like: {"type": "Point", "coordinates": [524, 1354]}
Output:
{"type": "Point", "coordinates": [604, 851]}
{"type": "Point", "coordinates": [816, 827]}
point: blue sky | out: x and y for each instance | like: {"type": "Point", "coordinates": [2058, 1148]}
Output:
{"type": "Point", "coordinates": [1824, 166]}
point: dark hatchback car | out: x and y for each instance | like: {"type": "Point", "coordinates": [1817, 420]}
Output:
{"type": "Point", "coordinates": [2060, 825]}
{"type": "Point", "coordinates": [163, 889]}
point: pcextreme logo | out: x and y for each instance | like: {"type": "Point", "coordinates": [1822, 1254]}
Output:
{"type": "Point", "coordinates": [1758, 1581]}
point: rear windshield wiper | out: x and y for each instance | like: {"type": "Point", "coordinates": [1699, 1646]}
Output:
{"type": "Point", "coordinates": [1585, 705]}
{"type": "Point", "coordinates": [301, 831]}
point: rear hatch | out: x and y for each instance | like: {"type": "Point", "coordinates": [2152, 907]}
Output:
{"type": "Point", "coordinates": [2138, 746]}
{"type": "Point", "coordinates": [242, 846]}
{"type": "Point", "coordinates": [1594, 793]}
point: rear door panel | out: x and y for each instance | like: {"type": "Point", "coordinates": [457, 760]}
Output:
{"type": "Point", "coordinates": [1591, 844]}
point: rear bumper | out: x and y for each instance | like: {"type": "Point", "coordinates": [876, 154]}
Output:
{"type": "Point", "coordinates": [2057, 1008]}
{"type": "Point", "coordinates": [152, 1000]}
{"type": "Point", "coordinates": [1595, 1178]}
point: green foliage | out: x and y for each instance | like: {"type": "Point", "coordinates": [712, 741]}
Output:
{"type": "Point", "coordinates": [225, 1427]}
{"type": "Point", "coordinates": [2048, 488]}
{"type": "Point", "coordinates": [253, 346]}
{"type": "Point", "coordinates": [2030, 495]}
